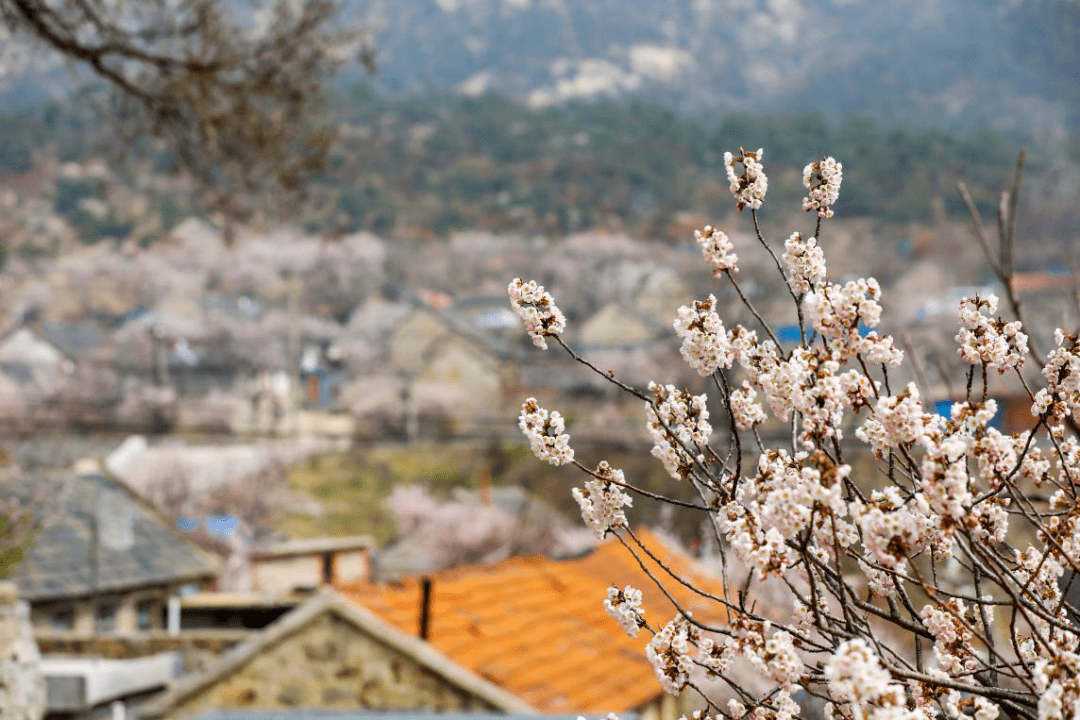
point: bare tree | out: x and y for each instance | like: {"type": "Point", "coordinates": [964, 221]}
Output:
{"type": "Point", "coordinates": [236, 91]}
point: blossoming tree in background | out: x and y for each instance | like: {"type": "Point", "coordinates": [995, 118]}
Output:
{"type": "Point", "coordinates": [874, 628]}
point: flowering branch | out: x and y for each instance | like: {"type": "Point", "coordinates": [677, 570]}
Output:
{"type": "Point", "coordinates": [953, 518]}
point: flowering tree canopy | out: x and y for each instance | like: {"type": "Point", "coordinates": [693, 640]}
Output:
{"type": "Point", "coordinates": [932, 587]}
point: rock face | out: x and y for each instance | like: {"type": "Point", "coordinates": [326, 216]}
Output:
{"type": "Point", "coordinates": [22, 686]}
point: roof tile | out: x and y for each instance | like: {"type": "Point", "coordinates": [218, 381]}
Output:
{"type": "Point", "coordinates": [538, 628]}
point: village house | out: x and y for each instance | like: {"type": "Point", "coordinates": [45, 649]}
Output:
{"type": "Point", "coordinates": [537, 628]}
{"type": "Point", "coordinates": [297, 565]}
{"type": "Point", "coordinates": [616, 326]}
{"type": "Point", "coordinates": [455, 371]}
{"type": "Point", "coordinates": [332, 654]}
{"type": "Point", "coordinates": [104, 559]}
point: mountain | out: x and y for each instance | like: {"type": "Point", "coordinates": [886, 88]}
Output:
{"type": "Point", "coordinates": [954, 63]}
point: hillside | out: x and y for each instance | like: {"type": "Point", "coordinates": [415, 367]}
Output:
{"type": "Point", "coordinates": [952, 62]}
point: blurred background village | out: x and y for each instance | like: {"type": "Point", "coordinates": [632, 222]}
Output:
{"type": "Point", "coordinates": [254, 463]}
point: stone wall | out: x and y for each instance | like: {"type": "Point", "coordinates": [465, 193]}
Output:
{"type": "Point", "coordinates": [22, 687]}
{"type": "Point", "coordinates": [329, 664]}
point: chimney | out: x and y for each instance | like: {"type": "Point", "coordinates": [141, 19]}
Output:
{"type": "Point", "coordinates": [425, 608]}
{"type": "Point", "coordinates": [485, 486]}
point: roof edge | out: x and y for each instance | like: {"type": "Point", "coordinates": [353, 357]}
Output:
{"type": "Point", "coordinates": [326, 601]}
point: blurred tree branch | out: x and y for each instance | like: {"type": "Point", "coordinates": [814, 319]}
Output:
{"type": "Point", "coordinates": [236, 90]}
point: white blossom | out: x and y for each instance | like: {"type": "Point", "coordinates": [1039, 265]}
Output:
{"type": "Point", "coordinates": [745, 408]}
{"type": "Point", "coordinates": [993, 342]}
{"type": "Point", "coordinates": [804, 261]}
{"type": "Point", "coordinates": [625, 606]}
{"type": "Point", "coordinates": [746, 178]}
{"type": "Point", "coordinates": [893, 529]}
{"type": "Point", "coordinates": [602, 501]}
{"type": "Point", "coordinates": [537, 309]}
{"type": "Point", "coordinates": [857, 680]}
{"type": "Point", "coordinates": [679, 425]}
{"type": "Point", "coordinates": [671, 654]}
{"type": "Point", "coordinates": [705, 345]}
{"type": "Point", "coordinates": [717, 250]}
{"type": "Point", "coordinates": [897, 420]}
{"type": "Point", "coordinates": [822, 180]}
{"type": "Point", "coordinates": [546, 433]}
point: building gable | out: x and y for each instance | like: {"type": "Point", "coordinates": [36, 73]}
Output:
{"type": "Point", "coordinates": [137, 547]}
{"type": "Point", "coordinates": [615, 326]}
{"type": "Point", "coordinates": [328, 654]}
{"type": "Point", "coordinates": [413, 338]}
{"type": "Point", "coordinates": [24, 347]}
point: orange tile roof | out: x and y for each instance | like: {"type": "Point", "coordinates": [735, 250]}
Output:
{"type": "Point", "coordinates": [538, 628]}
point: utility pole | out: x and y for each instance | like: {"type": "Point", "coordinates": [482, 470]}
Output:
{"type": "Point", "coordinates": [94, 552]}
{"type": "Point", "coordinates": [294, 287]}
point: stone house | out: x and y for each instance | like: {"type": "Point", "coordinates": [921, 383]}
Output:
{"type": "Point", "coordinates": [536, 627]}
{"type": "Point", "coordinates": [455, 372]}
{"type": "Point", "coordinates": [33, 369]}
{"type": "Point", "coordinates": [140, 562]}
{"type": "Point", "coordinates": [615, 326]}
{"type": "Point", "coordinates": [22, 346]}
{"type": "Point", "coordinates": [332, 654]}
{"type": "Point", "coordinates": [285, 567]}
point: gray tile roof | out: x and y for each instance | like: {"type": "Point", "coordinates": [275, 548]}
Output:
{"type": "Point", "coordinates": [73, 339]}
{"type": "Point", "coordinates": [137, 546]}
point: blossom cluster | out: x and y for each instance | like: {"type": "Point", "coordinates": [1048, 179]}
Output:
{"type": "Point", "coordinates": [717, 250]}
{"type": "Point", "coordinates": [986, 340]}
{"type": "Point", "coordinates": [822, 180]}
{"type": "Point", "coordinates": [705, 345]}
{"type": "Point", "coordinates": [546, 433]}
{"type": "Point", "coordinates": [602, 501]}
{"type": "Point", "coordinates": [678, 423]}
{"type": "Point", "coordinates": [745, 409]}
{"type": "Point", "coordinates": [1058, 681]}
{"type": "Point", "coordinates": [805, 263]}
{"type": "Point", "coordinates": [671, 653]}
{"type": "Point", "coordinates": [746, 178]}
{"type": "Point", "coordinates": [897, 420]}
{"type": "Point", "coordinates": [784, 498]}
{"type": "Point", "coordinates": [841, 312]}
{"type": "Point", "coordinates": [953, 634]}
{"type": "Point", "coordinates": [1061, 396]}
{"type": "Point", "coordinates": [893, 529]}
{"type": "Point", "coordinates": [771, 652]}
{"type": "Point", "coordinates": [861, 688]}
{"type": "Point", "coordinates": [625, 606]}
{"type": "Point", "coordinates": [537, 310]}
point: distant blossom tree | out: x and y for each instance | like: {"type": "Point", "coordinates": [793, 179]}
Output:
{"type": "Point", "coordinates": [933, 587]}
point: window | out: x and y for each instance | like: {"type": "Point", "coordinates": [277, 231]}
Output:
{"type": "Point", "coordinates": [63, 618]}
{"type": "Point", "coordinates": [144, 614]}
{"type": "Point", "coordinates": [106, 616]}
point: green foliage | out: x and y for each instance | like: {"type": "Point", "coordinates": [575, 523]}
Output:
{"type": "Point", "coordinates": [16, 537]}
{"type": "Point", "coordinates": [445, 162]}
{"type": "Point", "coordinates": [171, 213]}
{"type": "Point", "coordinates": [91, 229]}
{"type": "Point", "coordinates": [69, 193]}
